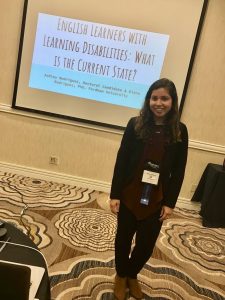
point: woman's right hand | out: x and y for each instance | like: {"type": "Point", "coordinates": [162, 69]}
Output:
{"type": "Point", "coordinates": [114, 205]}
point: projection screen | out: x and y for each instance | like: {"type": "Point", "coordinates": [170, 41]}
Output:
{"type": "Point", "coordinates": [93, 61]}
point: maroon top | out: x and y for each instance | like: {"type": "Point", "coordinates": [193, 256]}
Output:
{"type": "Point", "coordinates": [131, 195]}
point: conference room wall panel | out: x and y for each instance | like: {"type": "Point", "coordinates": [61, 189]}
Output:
{"type": "Point", "coordinates": [204, 111]}
{"type": "Point", "coordinates": [81, 152]}
{"type": "Point", "coordinates": [10, 23]}
{"type": "Point", "coordinates": [28, 140]}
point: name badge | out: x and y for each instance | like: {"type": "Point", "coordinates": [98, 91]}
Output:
{"type": "Point", "coordinates": [150, 177]}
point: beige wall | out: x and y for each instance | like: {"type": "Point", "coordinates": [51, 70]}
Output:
{"type": "Point", "coordinates": [89, 153]}
{"type": "Point", "coordinates": [204, 110]}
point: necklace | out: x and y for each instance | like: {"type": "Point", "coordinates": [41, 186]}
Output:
{"type": "Point", "coordinates": [158, 128]}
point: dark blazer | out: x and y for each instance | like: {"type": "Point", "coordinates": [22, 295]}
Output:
{"type": "Point", "coordinates": [172, 168]}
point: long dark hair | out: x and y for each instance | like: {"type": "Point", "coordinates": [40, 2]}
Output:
{"type": "Point", "coordinates": [145, 121]}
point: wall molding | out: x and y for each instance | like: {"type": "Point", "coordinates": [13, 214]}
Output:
{"type": "Point", "coordinates": [6, 108]}
{"type": "Point", "coordinates": [206, 147]}
{"type": "Point", "coordinates": [193, 144]}
{"type": "Point", "coordinates": [66, 179]}
{"type": "Point", "coordinates": [56, 177]}
{"type": "Point", "coordinates": [63, 178]}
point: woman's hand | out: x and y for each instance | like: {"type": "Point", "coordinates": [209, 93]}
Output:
{"type": "Point", "coordinates": [165, 213]}
{"type": "Point", "coordinates": [114, 205]}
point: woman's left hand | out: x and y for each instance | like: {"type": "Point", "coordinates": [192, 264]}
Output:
{"type": "Point", "coordinates": [165, 213]}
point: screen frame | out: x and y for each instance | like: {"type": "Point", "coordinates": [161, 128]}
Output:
{"type": "Point", "coordinates": [92, 122]}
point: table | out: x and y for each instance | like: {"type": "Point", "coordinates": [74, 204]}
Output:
{"type": "Point", "coordinates": [211, 193]}
{"type": "Point", "coordinates": [25, 255]}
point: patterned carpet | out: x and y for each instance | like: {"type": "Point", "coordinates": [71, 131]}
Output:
{"type": "Point", "coordinates": [75, 230]}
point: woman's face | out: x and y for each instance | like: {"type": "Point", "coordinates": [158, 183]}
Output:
{"type": "Point", "coordinates": [160, 104]}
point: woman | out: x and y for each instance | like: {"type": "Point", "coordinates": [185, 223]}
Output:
{"type": "Point", "coordinates": [152, 155]}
